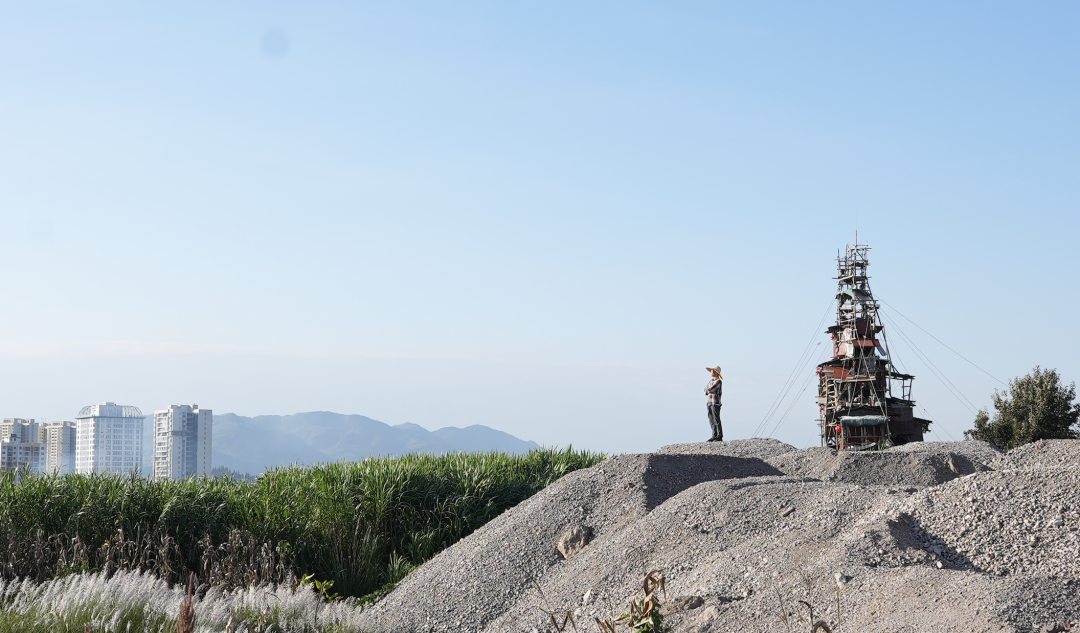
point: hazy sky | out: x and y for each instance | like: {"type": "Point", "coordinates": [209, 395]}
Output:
{"type": "Point", "coordinates": [543, 217]}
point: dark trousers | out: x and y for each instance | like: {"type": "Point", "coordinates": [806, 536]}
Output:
{"type": "Point", "coordinates": [714, 422]}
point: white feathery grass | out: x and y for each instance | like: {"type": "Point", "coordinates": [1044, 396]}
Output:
{"type": "Point", "coordinates": [132, 602]}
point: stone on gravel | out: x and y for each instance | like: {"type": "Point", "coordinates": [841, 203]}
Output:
{"type": "Point", "coordinates": [702, 621]}
{"type": "Point", "coordinates": [574, 540]}
{"type": "Point", "coordinates": [684, 603]}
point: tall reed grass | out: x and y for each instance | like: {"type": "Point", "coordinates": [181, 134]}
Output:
{"type": "Point", "coordinates": [134, 602]}
{"type": "Point", "coordinates": [361, 525]}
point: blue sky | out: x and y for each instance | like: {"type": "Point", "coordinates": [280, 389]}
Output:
{"type": "Point", "coordinates": [544, 218]}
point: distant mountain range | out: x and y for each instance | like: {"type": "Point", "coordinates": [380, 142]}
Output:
{"type": "Point", "coordinates": [254, 444]}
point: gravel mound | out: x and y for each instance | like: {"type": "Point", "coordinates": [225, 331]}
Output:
{"type": "Point", "coordinates": [491, 568]}
{"type": "Point", "coordinates": [908, 465]}
{"type": "Point", "coordinates": [1041, 453]}
{"type": "Point", "coordinates": [759, 447]}
{"type": "Point", "coordinates": [975, 450]}
{"type": "Point", "coordinates": [1006, 522]}
{"type": "Point", "coordinates": [924, 538]}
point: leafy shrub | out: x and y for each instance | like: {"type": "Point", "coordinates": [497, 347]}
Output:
{"type": "Point", "coordinates": [1034, 407]}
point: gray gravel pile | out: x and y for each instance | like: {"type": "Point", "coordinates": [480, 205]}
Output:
{"type": "Point", "coordinates": [1042, 453]}
{"type": "Point", "coordinates": [761, 448]}
{"type": "Point", "coordinates": [917, 464]}
{"type": "Point", "coordinates": [490, 569]}
{"type": "Point", "coordinates": [977, 451]}
{"type": "Point", "coordinates": [1006, 522]}
{"type": "Point", "coordinates": [741, 540]}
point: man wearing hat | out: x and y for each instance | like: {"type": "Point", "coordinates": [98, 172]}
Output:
{"type": "Point", "coordinates": [713, 391]}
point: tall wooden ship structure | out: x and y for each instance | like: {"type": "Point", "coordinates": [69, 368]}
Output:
{"type": "Point", "coordinates": [864, 402]}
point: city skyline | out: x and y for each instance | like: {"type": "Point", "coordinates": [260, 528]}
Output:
{"type": "Point", "coordinates": [180, 441]}
{"type": "Point", "coordinates": [108, 438]}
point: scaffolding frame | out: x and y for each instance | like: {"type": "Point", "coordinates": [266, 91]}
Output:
{"type": "Point", "coordinates": [863, 401]}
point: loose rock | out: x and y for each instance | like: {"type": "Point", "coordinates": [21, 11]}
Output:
{"type": "Point", "coordinates": [685, 603]}
{"type": "Point", "coordinates": [574, 540]}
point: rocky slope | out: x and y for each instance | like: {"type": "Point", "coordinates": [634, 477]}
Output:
{"type": "Point", "coordinates": [943, 536]}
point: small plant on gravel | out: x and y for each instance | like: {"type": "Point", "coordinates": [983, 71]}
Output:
{"type": "Point", "coordinates": [841, 582]}
{"type": "Point", "coordinates": [818, 625]}
{"type": "Point", "coordinates": [644, 614]}
{"type": "Point", "coordinates": [792, 611]}
{"type": "Point", "coordinates": [553, 616]}
{"type": "Point", "coordinates": [787, 610]}
{"type": "Point", "coordinates": [568, 618]}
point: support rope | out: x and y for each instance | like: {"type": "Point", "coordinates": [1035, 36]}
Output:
{"type": "Point", "coordinates": [945, 346]}
{"type": "Point", "coordinates": [807, 354]}
{"type": "Point", "coordinates": [953, 389]}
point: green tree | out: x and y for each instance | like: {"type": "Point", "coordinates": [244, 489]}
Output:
{"type": "Point", "coordinates": [1034, 407]}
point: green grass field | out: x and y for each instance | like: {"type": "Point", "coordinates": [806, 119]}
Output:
{"type": "Point", "coordinates": [362, 525]}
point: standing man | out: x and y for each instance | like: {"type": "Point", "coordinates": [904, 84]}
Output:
{"type": "Point", "coordinates": [714, 390]}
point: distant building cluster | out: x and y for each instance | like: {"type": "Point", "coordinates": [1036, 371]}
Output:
{"type": "Point", "coordinates": [41, 448]}
{"type": "Point", "coordinates": [108, 438]}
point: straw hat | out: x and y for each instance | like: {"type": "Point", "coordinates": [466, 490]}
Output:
{"type": "Point", "coordinates": [717, 370]}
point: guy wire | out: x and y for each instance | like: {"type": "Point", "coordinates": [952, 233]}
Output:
{"type": "Point", "coordinates": [792, 378]}
{"type": "Point", "coordinates": [948, 384]}
{"type": "Point", "coordinates": [943, 344]}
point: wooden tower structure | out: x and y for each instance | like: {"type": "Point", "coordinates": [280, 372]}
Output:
{"type": "Point", "coordinates": [864, 402]}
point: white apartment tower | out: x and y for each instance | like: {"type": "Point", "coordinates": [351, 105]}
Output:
{"type": "Point", "coordinates": [59, 439]}
{"type": "Point", "coordinates": [20, 446]}
{"type": "Point", "coordinates": [108, 438]}
{"type": "Point", "coordinates": [183, 439]}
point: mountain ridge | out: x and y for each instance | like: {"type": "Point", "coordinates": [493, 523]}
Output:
{"type": "Point", "coordinates": [253, 444]}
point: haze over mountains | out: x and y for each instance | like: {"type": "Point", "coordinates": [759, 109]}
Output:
{"type": "Point", "coordinates": [254, 444]}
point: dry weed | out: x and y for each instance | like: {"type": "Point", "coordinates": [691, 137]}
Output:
{"type": "Point", "coordinates": [185, 621]}
{"type": "Point", "coordinates": [644, 614]}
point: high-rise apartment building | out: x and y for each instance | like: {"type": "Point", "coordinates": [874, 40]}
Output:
{"type": "Point", "coordinates": [20, 446]}
{"type": "Point", "coordinates": [19, 430]}
{"type": "Point", "coordinates": [108, 438]}
{"type": "Point", "coordinates": [59, 439]}
{"type": "Point", "coordinates": [183, 439]}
